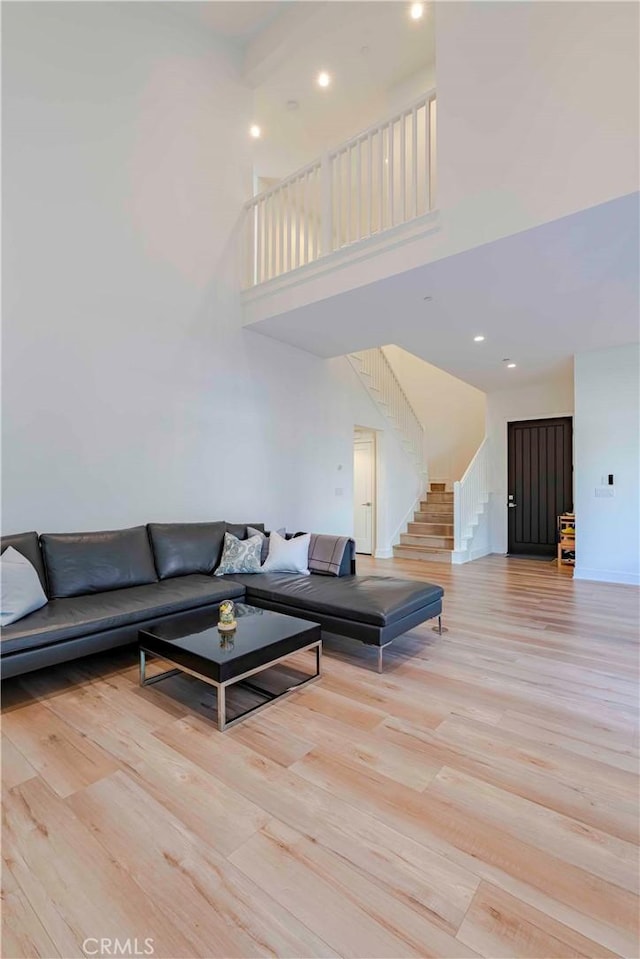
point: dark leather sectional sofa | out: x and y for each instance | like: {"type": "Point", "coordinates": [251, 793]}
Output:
{"type": "Point", "coordinates": [103, 587]}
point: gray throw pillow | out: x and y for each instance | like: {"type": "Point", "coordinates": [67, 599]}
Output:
{"type": "Point", "coordinates": [264, 552]}
{"type": "Point", "coordinates": [240, 556]}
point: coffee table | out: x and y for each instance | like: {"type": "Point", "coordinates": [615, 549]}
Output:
{"type": "Point", "coordinates": [194, 645]}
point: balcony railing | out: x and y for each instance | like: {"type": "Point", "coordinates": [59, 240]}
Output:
{"type": "Point", "coordinates": [381, 178]}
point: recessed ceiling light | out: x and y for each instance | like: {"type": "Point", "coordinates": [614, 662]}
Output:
{"type": "Point", "coordinates": [324, 79]}
{"type": "Point", "coordinates": [255, 131]}
{"type": "Point", "coordinates": [417, 11]}
{"type": "Point", "coordinates": [478, 339]}
{"type": "Point", "coordinates": [427, 297]}
{"type": "Point", "coordinates": [511, 366]}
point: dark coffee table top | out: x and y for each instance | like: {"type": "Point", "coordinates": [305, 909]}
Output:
{"type": "Point", "coordinates": [260, 638]}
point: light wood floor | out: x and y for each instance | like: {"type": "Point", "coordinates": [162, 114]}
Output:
{"type": "Point", "coordinates": [478, 799]}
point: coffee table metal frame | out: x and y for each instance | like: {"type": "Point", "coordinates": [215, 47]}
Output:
{"type": "Point", "coordinates": [221, 687]}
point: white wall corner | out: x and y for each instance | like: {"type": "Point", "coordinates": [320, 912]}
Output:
{"type": "Point", "coordinates": [606, 440]}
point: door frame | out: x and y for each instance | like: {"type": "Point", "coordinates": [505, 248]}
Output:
{"type": "Point", "coordinates": [375, 483]}
{"type": "Point", "coordinates": [506, 420]}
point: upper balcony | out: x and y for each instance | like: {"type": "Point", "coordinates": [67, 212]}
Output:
{"type": "Point", "coordinates": [371, 185]}
{"type": "Point", "coordinates": [534, 152]}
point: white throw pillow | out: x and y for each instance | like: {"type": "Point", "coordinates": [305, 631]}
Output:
{"type": "Point", "coordinates": [287, 555]}
{"type": "Point", "coordinates": [21, 591]}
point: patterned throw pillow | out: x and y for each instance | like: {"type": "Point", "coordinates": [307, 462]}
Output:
{"type": "Point", "coordinates": [240, 556]}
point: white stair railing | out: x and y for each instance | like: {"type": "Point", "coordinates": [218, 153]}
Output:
{"type": "Point", "coordinates": [376, 373]}
{"type": "Point", "coordinates": [470, 495]}
{"type": "Point", "coordinates": [379, 179]}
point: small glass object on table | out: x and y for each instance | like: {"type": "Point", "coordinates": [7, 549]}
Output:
{"type": "Point", "coordinates": [227, 621]}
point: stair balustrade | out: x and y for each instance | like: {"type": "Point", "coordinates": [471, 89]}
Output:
{"type": "Point", "coordinates": [377, 180]}
{"type": "Point", "coordinates": [376, 373]}
{"type": "Point", "coordinates": [470, 496]}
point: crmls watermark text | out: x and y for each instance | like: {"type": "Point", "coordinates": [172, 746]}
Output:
{"type": "Point", "coordinates": [118, 947]}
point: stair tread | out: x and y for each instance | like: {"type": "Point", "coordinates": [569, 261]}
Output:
{"type": "Point", "coordinates": [430, 529]}
{"type": "Point", "coordinates": [423, 553]}
{"type": "Point", "coordinates": [415, 539]}
{"type": "Point", "coordinates": [423, 516]}
{"type": "Point", "coordinates": [423, 549]}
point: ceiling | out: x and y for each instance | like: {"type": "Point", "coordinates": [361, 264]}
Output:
{"type": "Point", "coordinates": [538, 297]}
{"type": "Point", "coordinates": [240, 20]}
{"type": "Point", "coordinates": [378, 59]}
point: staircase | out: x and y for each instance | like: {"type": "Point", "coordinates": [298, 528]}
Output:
{"type": "Point", "coordinates": [430, 535]}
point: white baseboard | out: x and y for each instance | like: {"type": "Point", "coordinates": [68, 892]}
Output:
{"type": "Point", "coordinates": [606, 576]}
{"type": "Point", "coordinates": [383, 554]}
{"type": "Point", "coordinates": [460, 556]}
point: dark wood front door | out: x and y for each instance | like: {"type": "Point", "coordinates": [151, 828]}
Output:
{"type": "Point", "coordinates": [540, 458]}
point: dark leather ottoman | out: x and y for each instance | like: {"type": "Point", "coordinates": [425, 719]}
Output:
{"type": "Point", "coordinates": [372, 609]}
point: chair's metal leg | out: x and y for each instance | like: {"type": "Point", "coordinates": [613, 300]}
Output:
{"type": "Point", "coordinates": [439, 629]}
{"type": "Point", "coordinates": [380, 649]}
{"type": "Point", "coordinates": [143, 666]}
{"type": "Point", "coordinates": [440, 625]}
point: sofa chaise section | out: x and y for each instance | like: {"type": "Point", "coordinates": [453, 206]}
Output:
{"type": "Point", "coordinates": [372, 609]}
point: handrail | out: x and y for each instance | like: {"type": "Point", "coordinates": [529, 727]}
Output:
{"type": "Point", "coordinates": [376, 180]}
{"type": "Point", "coordinates": [308, 167]}
{"type": "Point", "coordinates": [374, 369]}
{"type": "Point", "coordinates": [470, 494]}
{"type": "Point", "coordinates": [429, 95]}
{"type": "Point", "coordinates": [474, 458]}
{"type": "Point", "coordinates": [399, 384]}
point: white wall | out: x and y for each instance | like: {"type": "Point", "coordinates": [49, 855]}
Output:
{"type": "Point", "coordinates": [452, 413]}
{"type": "Point", "coordinates": [538, 111]}
{"type": "Point", "coordinates": [551, 397]}
{"type": "Point", "coordinates": [607, 440]}
{"type": "Point", "coordinates": [130, 393]}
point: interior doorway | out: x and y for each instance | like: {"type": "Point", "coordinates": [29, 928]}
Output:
{"type": "Point", "coordinates": [540, 483]}
{"type": "Point", "coordinates": [364, 489]}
